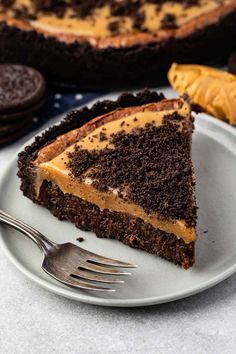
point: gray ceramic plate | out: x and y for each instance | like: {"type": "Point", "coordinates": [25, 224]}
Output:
{"type": "Point", "coordinates": [155, 280]}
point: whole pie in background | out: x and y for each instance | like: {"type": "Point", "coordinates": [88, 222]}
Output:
{"type": "Point", "coordinates": [114, 43]}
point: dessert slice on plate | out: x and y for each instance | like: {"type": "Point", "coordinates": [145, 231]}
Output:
{"type": "Point", "coordinates": [123, 170]}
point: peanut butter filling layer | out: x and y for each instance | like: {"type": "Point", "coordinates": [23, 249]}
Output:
{"type": "Point", "coordinates": [102, 29]}
{"type": "Point", "coordinates": [56, 169]}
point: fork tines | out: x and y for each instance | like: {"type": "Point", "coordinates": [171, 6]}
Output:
{"type": "Point", "coordinates": [96, 268]}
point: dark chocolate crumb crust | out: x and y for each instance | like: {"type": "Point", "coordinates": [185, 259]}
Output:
{"type": "Point", "coordinates": [150, 167]}
{"type": "Point", "coordinates": [139, 65]}
{"type": "Point", "coordinates": [132, 231]}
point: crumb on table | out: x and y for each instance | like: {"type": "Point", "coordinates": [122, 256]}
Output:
{"type": "Point", "coordinates": [80, 239]}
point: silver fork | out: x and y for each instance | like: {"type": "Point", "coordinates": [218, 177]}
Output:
{"type": "Point", "coordinates": [70, 264]}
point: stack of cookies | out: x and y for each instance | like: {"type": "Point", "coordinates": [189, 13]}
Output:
{"type": "Point", "coordinates": [22, 93]}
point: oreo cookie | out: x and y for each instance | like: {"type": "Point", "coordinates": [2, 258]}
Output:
{"type": "Point", "coordinates": [8, 134]}
{"type": "Point", "coordinates": [232, 63]}
{"type": "Point", "coordinates": [22, 93]}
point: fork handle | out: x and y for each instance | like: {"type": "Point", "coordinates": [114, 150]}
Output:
{"type": "Point", "coordinates": [41, 241]}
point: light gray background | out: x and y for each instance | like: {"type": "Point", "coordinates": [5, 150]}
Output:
{"type": "Point", "coordinates": [33, 320]}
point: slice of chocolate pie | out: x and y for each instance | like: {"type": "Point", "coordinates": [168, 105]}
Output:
{"type": "Point", "coordinates": [125, 174]}
{"type": "Point", "coordinates": [115, 42]}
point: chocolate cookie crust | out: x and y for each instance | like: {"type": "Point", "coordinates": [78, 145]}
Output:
{"type": "Point", "coordinates": [93, 68]}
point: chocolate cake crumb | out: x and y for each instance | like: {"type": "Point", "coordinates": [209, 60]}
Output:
{"type": "Point", "coordinates": [189, 3]}
{"type": "Point", "coordinates": [125, 7]}
{"type": "Point", "coordinates": [102, 136]}
{"type": "Point", "coordinates": [84, 159]}
{"type": "Point", "coordinates": [114, 27]}
{"type": "Point", "coordinates": [172, 118]}
{"type": "Point", "coordinates": [169, 21]}
{"type": "Point", "coordinates": [139, 19]}
{"type": "Point", "coordinates": [80, 239]}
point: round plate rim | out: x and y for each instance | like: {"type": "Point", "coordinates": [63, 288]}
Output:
{"type": "Point", "coordinates": [57, 289]}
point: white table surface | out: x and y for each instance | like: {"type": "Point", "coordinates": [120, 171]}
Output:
{"type": "Point", "coordinates": [33, 320]}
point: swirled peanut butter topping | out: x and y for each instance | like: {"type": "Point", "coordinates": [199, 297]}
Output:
{"type": "Point", "coordinates": [214, 90]}
{"type": "Point", "coordinates": [98, 139]}
{"type": "Point", "coordinates": [103, 26]}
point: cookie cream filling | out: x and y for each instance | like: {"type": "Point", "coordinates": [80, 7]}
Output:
{"type": "Point", "coordinates": [56, 170]}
